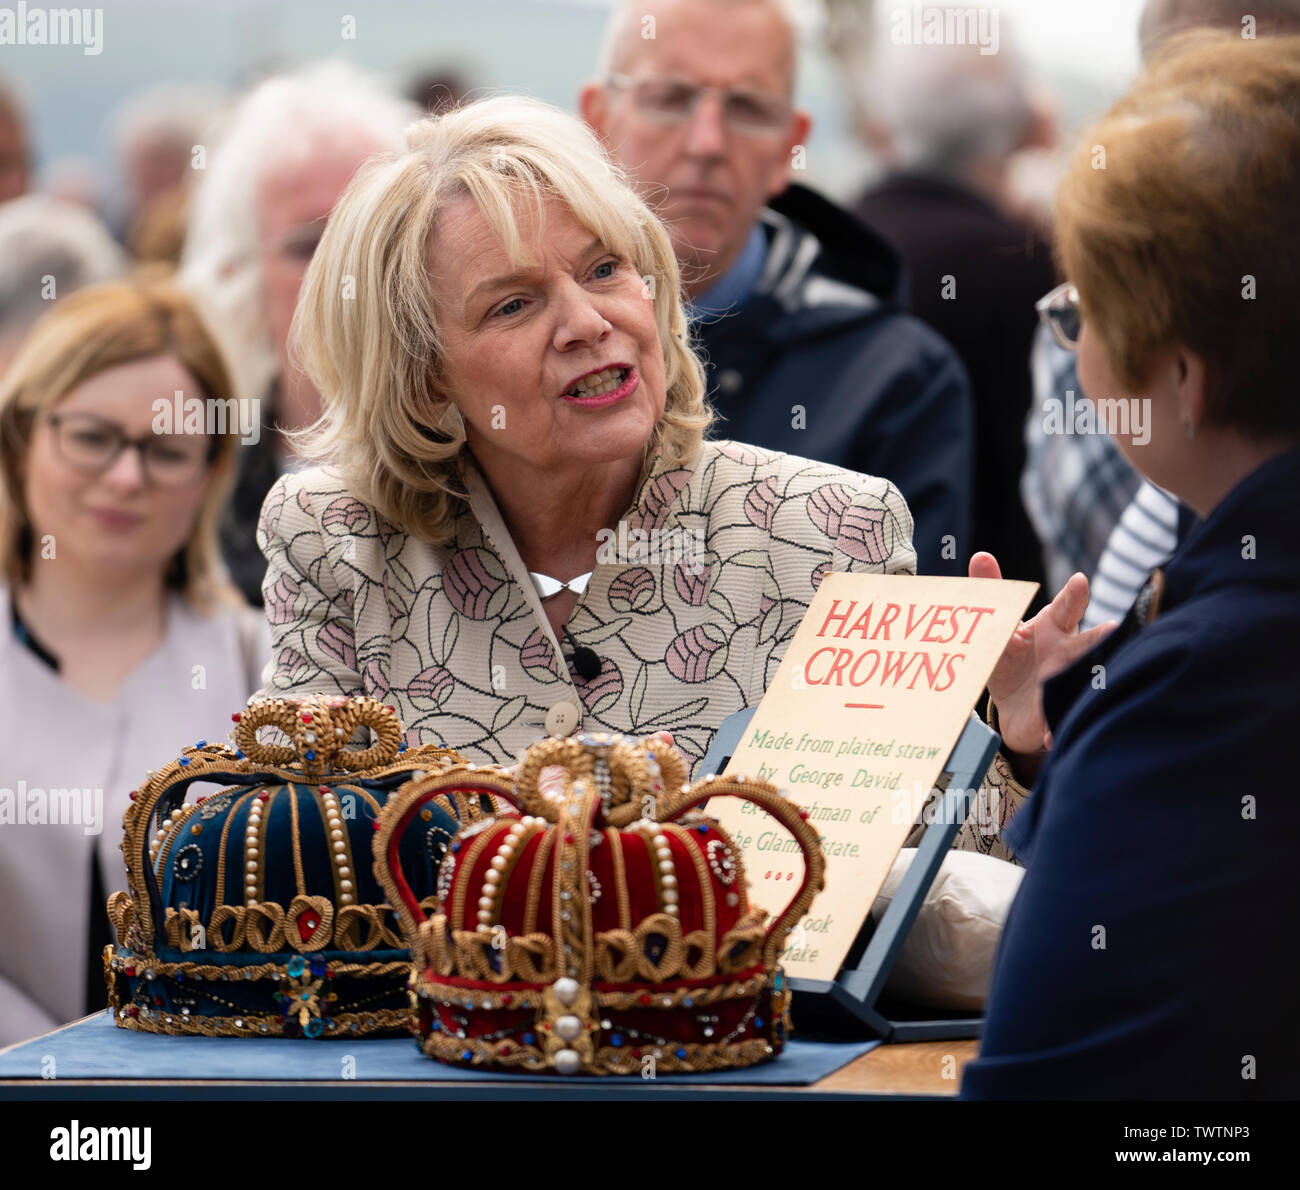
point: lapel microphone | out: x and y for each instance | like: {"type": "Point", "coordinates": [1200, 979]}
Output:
{"type": "Point", "coordinates": [583, 660]}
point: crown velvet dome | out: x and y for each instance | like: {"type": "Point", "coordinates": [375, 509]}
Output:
{"type": "Point", "coordinates": [595, 923]}
{"type": "Point", "coordinates": [253, 910]}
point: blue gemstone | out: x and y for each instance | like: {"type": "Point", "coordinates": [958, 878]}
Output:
{"type": "Point", "coordinates": [183, 759]}
{"type": "Point", "coordinates": [317, 964]}
{"type": "Point", "coordinates": [758, 1022]}
{"type": "Point", "coordinates": [309, 754]}
{"type": "Point", "coordinates": [616, 1040]}
{"type": "Point", "coordinates": [455, 846]}
{"type": "Point", "coordinates": [680, 1053]}
{"type": "Point", "coordinates": [239, 754]}
{"type": "Point", "coordinates": [313, 1028]}
{"type": "Point", "coordinates": [401, 748]}
{"type": "Point", "coordinates": [702, 828]}
{"type": "Point", "coordinates": [468, 1055]}
{"type": "Point", "coordinates": [296, 965]}
{"type": "Point", "coordinates": [180, 974]}
{"type": "Point", "coordinates": [529, 1038]}
{"type": "Point", "coordinates": [688, 1002]}
{"type": "Point", "coordinates": [201, 744]}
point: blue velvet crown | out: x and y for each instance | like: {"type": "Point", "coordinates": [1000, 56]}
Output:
{"type": "Point", "coordinates": [254, 910]}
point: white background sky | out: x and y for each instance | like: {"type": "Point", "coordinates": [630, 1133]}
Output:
{"type": "Point", "coordinates": [1085, 50]}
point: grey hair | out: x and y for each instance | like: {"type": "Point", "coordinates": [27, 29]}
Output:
{"type": "Point", "coordinates": [48, 248]}
{"type": "Point", "coordinates": [948, 107]}
{"type": "Point", "coordinates": [219, 265]}
{"type": "Point", "coordinates": [626, 16]}
{"type": "Point", "coordinates": [169, 112]}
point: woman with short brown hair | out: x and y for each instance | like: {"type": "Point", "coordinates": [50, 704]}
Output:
{"type": "Point", "coordinates": [120, 635]}
{"type": "Point", "coordinates": [1147, 953]}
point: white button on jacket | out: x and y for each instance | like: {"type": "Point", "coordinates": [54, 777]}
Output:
{"type": "Point", "coordinates": [562, 718]}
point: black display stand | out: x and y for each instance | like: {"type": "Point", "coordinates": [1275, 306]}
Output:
{"type": "Point", "coordinates": [852, 1005]}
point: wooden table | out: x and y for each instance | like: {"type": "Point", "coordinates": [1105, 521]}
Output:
{"type": "Point", "coordinates": [916, 1068]}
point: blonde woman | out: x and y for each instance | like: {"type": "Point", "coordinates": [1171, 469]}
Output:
{"type": "Point", "coordinates": [120, 636]}
{"type": "Point", "coordinates": [520, 530]}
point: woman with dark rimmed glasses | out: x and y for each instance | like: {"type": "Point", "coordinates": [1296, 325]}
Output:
{"type": "Point", "coordinates": [120, 635]}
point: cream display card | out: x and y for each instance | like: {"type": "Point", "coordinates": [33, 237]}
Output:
{"type": "Point", "coordinates": [856, 727]}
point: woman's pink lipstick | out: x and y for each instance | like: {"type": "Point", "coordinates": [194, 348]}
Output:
{"type": "Point", "coordinates": [115, 520]}
{"type": "Point", "coordinates": [626, 389]}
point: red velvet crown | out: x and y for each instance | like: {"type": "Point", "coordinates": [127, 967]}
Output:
{"type": "Point", "coordinates": [599, 924]}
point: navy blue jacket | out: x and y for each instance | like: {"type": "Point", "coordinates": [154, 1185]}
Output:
{"type": "Point", "coordinates": [1167, 815]}
{"type": "Point", "coordinates": [881, 393]}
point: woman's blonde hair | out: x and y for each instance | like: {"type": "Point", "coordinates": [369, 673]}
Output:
{"type": "Point", "coordinates": [87, 333]}
{"type": "Point", "coordinates": [1176, 221]}
{"type": "Point", "coordinates": [366, 328]}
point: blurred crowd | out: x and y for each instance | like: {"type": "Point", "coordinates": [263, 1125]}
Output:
{"type": "Point", "coordinates": [897, 335]}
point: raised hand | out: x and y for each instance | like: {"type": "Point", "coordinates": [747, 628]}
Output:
{"type": "Point", "coordinates": [1038, 649]}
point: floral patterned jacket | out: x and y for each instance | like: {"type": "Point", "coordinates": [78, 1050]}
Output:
{"type": "Point", "coordinates": [689, 623]}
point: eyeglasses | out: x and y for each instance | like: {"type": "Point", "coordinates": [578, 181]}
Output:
{"type": "Point", "coordinates": [92, 445]}
{"type": "Point", "coordinates": [1060, 311]}
{"type": "Point", "coordinates": [667, 100]}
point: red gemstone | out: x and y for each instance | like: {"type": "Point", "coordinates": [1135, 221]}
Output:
{"type": "Point", "coordinates": [132, 1010]}
{"type": "Point", "coordinates": [263, 797]}
{"type": "Point", "coordinates": [389, 707]}
{"type": "Point", "coordinates": [645, 999]}
{"type": "Point", "coordinates": [235, 717]}
{"type": "Point", "coordinates": [324, 789]}
{"type": "Point", "coordinates": [134, 794]}
{"type": "Point", "coordinates": [306, 716]}
{"type": "Point", "coordinates": [130, 970]}
{"type": "Point", "coordinates": [636, 1053]}
{"type": "Point", "coordinates": [375, 824]}
{"type": "Point", "coordinates": [568, 838]}
{"type": "Point", "coordinates": [804, 815]}
{"type": "Point", "coordinates": [307, 924]}
{"type": "Point", "coordinates": [507, 1000]}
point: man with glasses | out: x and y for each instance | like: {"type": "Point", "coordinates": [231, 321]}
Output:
{"type": "Point", "coordinates": [795, 303]}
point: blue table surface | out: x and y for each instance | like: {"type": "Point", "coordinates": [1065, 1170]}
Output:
{"type": "Point", "coordinates": [95, 1048]}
